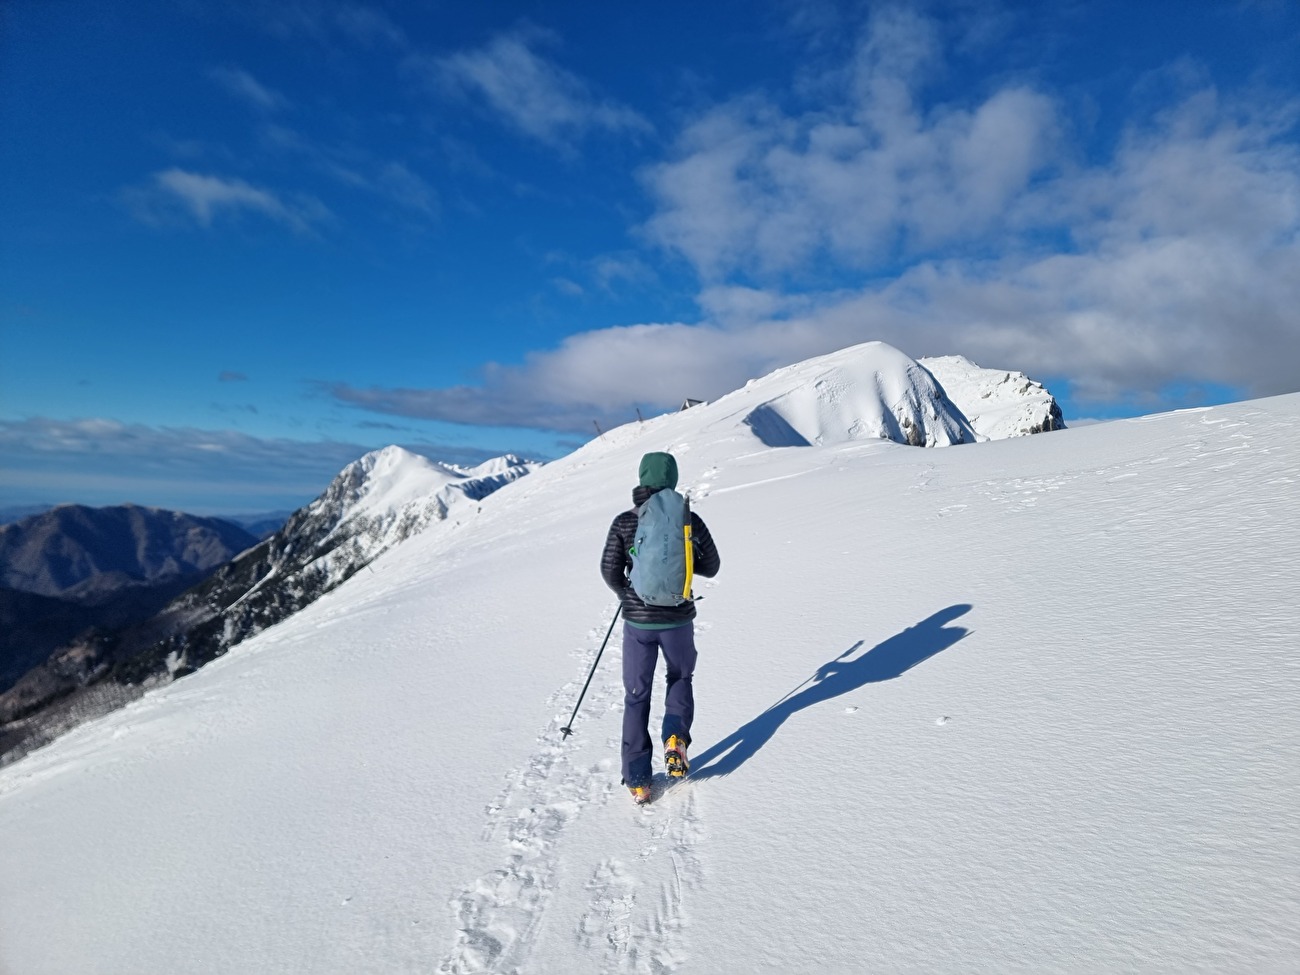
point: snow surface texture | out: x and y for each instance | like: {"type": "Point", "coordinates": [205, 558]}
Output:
{"type": "Point", "coordinates": [1020, 706]}
{"type": "Point", "coordinates": [998, 404]}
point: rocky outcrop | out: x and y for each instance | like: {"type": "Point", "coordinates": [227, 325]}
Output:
{"type": "Point", "coordinates": [998, 403]}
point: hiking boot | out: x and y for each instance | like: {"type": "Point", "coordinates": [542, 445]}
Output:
{"type": "Point", "coordinates": [640, 794]}
{"type": "Point", "coordinates": [675, 757]}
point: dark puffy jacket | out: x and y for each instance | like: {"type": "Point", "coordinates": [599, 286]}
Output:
{"type": "Point", "coordinates": [616, 564]}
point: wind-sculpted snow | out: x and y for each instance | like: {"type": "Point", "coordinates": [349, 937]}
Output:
{"type": "Point", "coordinates": [1026, 706]}
{"type": "Point", "coordinates": [998, 404]}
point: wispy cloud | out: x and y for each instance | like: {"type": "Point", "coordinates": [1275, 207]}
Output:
{"type": "Point", "coordinates": [243, 85]}
{"type": "Point", "coordinates": [226, 376]}
{"type": "Point", "coordinates": [398, 183]}
{"type": "Point", "coordinates": [357, 168]}
{"type": "Point", "coordinates": [324, 21]}
{"type": "Point", "coordinates": [367, 25]}
{"type": "Point", "coordinates": [206, 198]}
{"type": "Point", "coordinates": [530, 92]}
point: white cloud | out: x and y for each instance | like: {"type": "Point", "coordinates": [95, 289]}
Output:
{"type": "Point", "coordinates": [205, 198]}
{"type": "Point", "coordinates": [867, 175]}
{"type": "Point", "coordinates": [531, 92]}
{"type": "Point", "coordinates": [241, 84]}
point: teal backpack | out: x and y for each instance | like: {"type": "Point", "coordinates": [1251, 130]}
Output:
{"type": "Point", "coordinates": [663, 556]}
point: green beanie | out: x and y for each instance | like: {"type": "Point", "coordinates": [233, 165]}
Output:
{"type": "Point", "coordinates": [658, 471]}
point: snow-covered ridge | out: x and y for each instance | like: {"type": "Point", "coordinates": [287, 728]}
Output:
{"type": "Point", "coordinates": [375, 503]}
{"type": "Point", "coordinates": [998, 403]}
{"type": "Point", "coordinates": [387, 496]}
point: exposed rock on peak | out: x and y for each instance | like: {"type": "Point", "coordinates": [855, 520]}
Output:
{"type": "Point", "coordinates": [998, 403]}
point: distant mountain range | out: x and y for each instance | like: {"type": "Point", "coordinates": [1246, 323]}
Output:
{"type": "Point", "coordinates": [72, 568]}
{"type": "Point", "coordinates": [261, 524]}
{"type": "Point", "coordinates": [73, 551]}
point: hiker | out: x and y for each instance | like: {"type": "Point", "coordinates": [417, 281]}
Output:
{"type": "Point", "coordinates": [658, 613]}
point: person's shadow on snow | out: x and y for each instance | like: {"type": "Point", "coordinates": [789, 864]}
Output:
{"type": "Point", "coordinates": [886, 661]}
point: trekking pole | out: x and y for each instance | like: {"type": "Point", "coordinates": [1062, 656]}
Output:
{"type": "Point", "coordinates": [568, 728]}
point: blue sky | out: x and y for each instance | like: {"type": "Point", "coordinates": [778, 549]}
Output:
{"type": "Point", "coordinates": [243, 241]}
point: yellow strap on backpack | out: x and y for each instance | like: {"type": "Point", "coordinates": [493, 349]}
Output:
{"type": "Point", "coordinates": [690, 558]}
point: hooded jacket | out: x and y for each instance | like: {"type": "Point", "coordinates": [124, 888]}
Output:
{"type": "Point", "coordinates": [616, 564]}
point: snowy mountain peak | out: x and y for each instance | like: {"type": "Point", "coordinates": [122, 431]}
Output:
{"type": "Point", "coordinates": [390, 494]}
{"type": "Point", "coordinates": [386, 480]}
{"type": "Point", "coordinates": [866, 392]}
{"type": "Point", "coordinates": [497, 466]}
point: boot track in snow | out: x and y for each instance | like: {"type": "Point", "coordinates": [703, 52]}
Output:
{"type": "Point", "coordinates": [499, 917]}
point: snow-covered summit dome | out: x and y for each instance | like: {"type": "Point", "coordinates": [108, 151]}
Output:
{"type": "Point", "coordinates": [866, 392]}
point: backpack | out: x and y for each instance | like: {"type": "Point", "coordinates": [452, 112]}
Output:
{"type": "Point", "coordinates": [663, 558]}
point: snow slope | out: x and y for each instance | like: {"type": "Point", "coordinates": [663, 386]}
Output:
{"type": "Point", "coordinates": [1018, 706]}
{"type": "Point", "coordinates": [998, 403]}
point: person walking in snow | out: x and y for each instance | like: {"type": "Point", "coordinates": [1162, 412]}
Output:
{"type": "Point", "coordinates": [651, 554]}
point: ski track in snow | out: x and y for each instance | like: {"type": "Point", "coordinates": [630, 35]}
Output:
{"type": "Point", "coordinates": [499, 916]}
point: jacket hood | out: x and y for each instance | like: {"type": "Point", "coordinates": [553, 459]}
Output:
{"type": "Point", "coordinates": [658, 470]}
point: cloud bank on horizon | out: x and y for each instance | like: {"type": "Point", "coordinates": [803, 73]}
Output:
{"type": "Point", "coordinates": [104, 462]}
{"type": "Point", "coordinates": [500, 225]}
